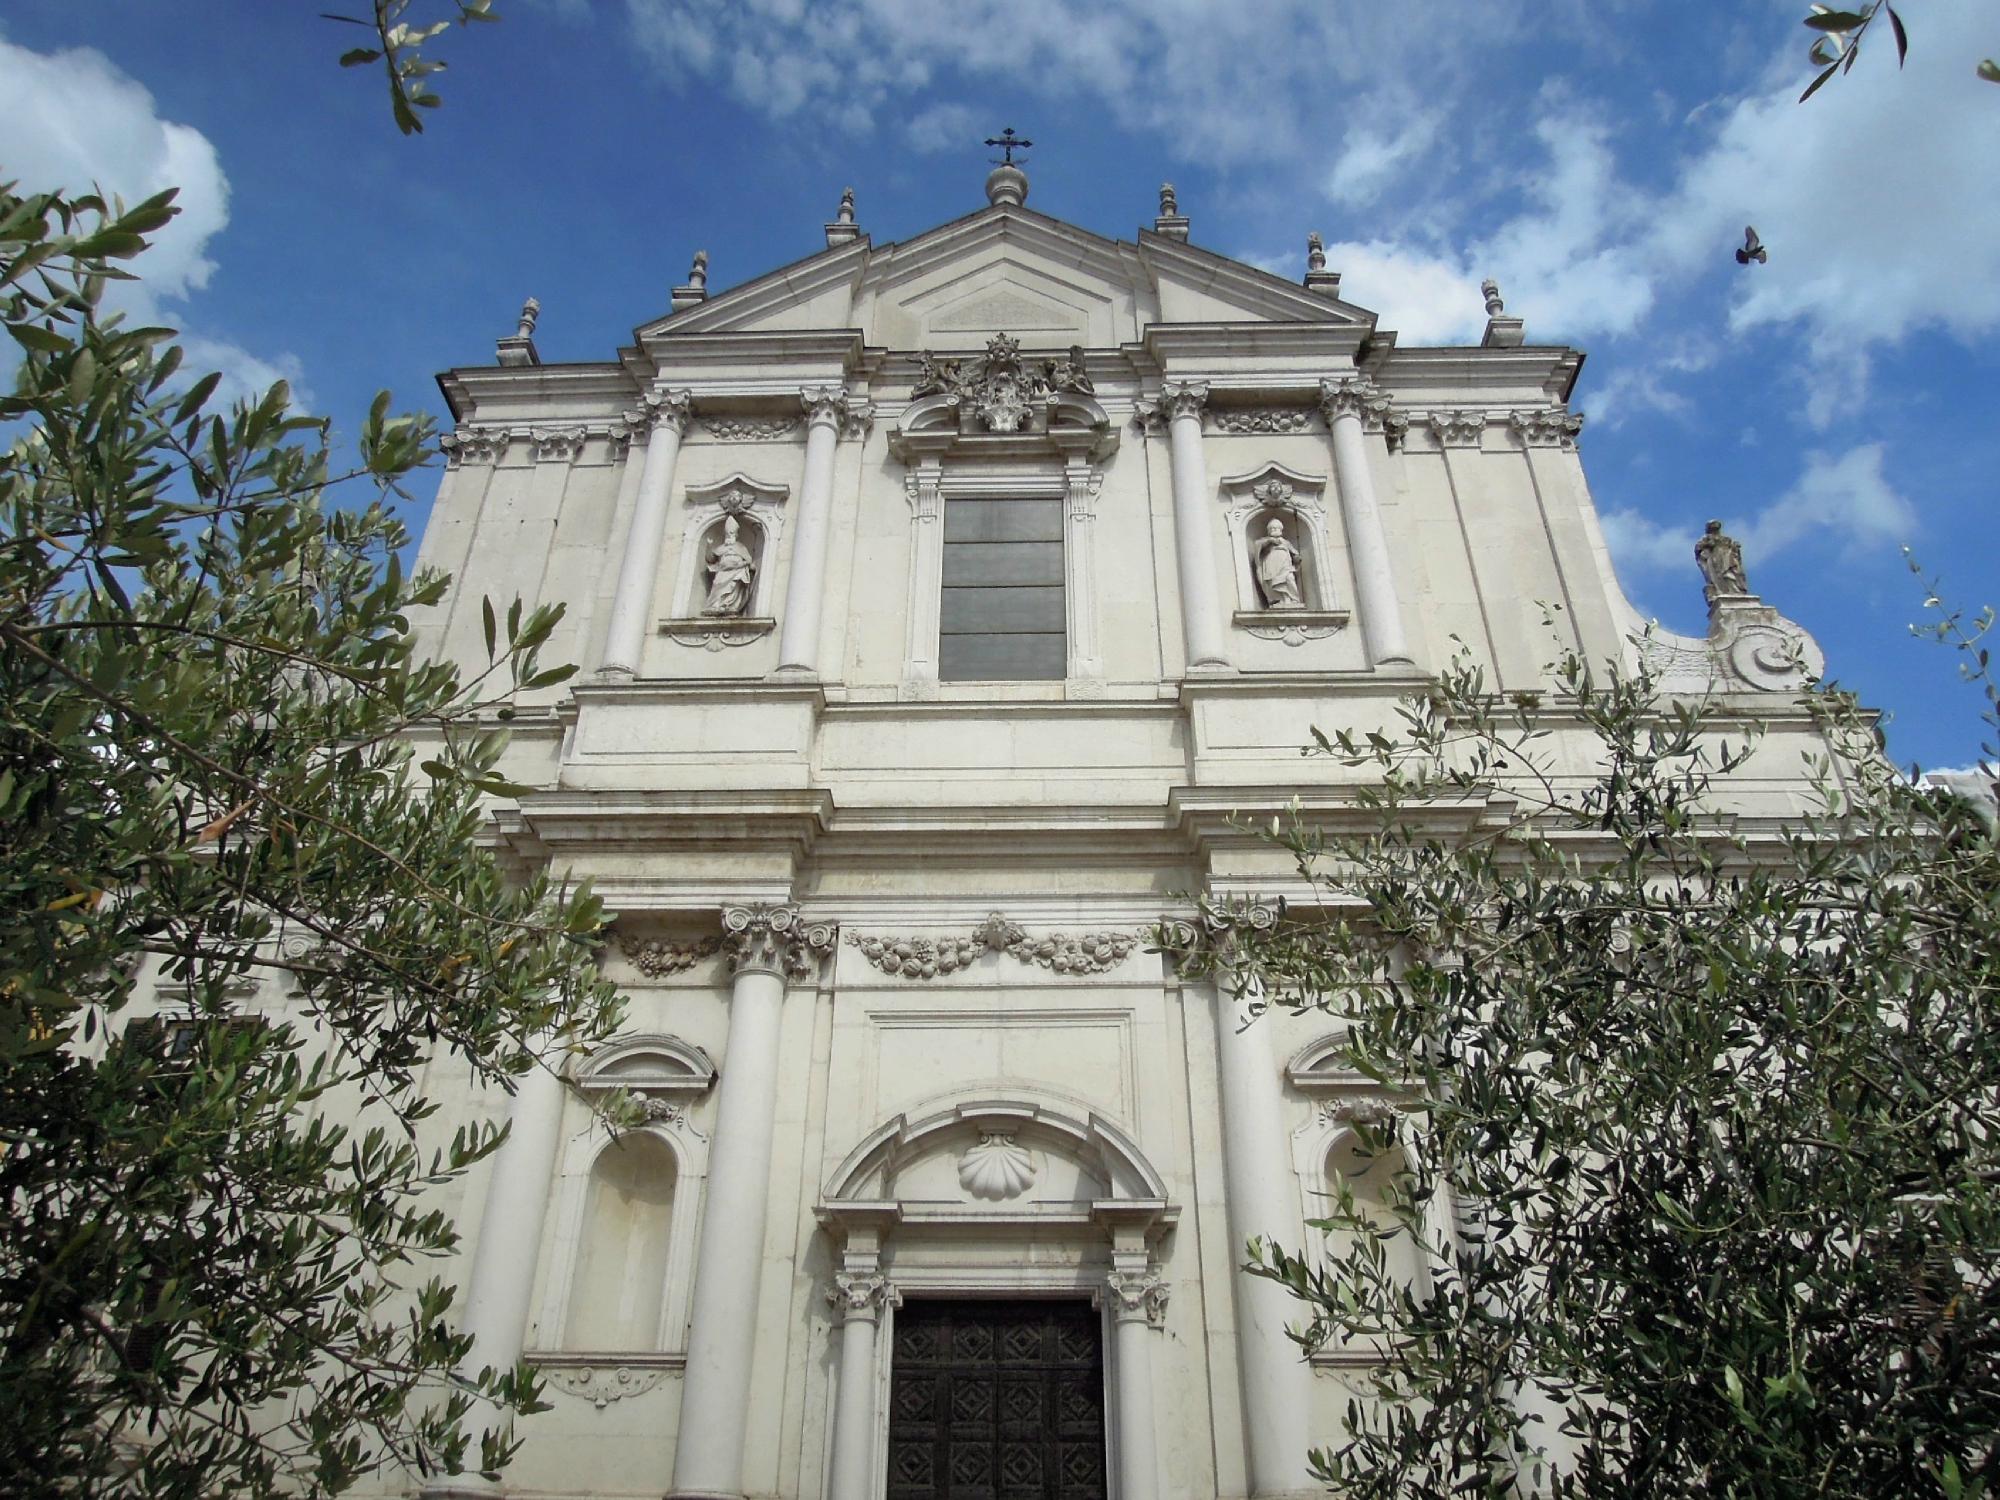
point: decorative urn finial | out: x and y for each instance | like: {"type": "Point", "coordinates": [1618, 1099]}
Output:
{"type": "Point", "coordinates": [531, 310]}
{"type": "Point", "coordinates": [1490, 290]}
{"type": "Point", "coordinates": [698, 272]}
{"type": "Point", "coordinates": [1315, 253]}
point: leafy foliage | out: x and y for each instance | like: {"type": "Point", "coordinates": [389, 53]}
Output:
{"type": "Point", "coordinates": [1695, 1106]}
{"type": "Point", "coordinates": [399, 48]}
{"type": "Point", "coordinates": [212, 1276]}
{"type": "Point", "coordinates": [1839, 36]}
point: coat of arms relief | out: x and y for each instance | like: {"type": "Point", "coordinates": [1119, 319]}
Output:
{"type": "Point", "coordinates": [1001, 388]}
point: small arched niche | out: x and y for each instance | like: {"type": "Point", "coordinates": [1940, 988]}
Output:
{"type": "Point", "coordinates": [725, 585]}
{"type": "Point", "coordinates": [1292, 501]}
{"type": "Point", "coordinates": [1370, 1167]}
{"type": "Point", "coordinates": [624, 1242]}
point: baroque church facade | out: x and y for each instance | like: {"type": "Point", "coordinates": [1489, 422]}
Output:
{"type": "Point", "coordinates": [950, 613]}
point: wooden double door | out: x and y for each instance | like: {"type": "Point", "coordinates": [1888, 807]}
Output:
{"type": "Point", "coordinates": [997, 1401]}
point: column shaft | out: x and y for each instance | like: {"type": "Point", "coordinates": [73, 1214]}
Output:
{"type": "Point", "coordinates": [1263, 1203]}
{"type": "Point", "coordinates": [624, 639]}
{"type": "Point", "coordinates": [854, 1403]}
{"type": "Point", "coordinates": [715, 1390]}
{"type": "Point", "coordinates": [1138, 1462]}
{"type": "Point", "coordinates": [805, 589]}
{"type": "Point", "coordinates": [1374, 581]}
{"type": "Point", "coordinates": [1201, 621]}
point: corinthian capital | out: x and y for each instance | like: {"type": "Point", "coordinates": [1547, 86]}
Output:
{"type": "Point", "coordinates": [1182, 398]}
{"type": "Point", "coordinates": [1137, 1294]}
{"type": "Point", "coordinates": [1351, 396]}
{"type": "Point", "coordinates": [1458, 428]}
{"type": "Point", "coordinates": [673, 409]}
{"type": "Point", "coordinates": [855, 1296]}
{"type": "Point", "coordinates": [1546, 426]}
{"type": "Point", "coordinates": [824, 403]}
{"type": "Point", "coordinates": [774, 940]}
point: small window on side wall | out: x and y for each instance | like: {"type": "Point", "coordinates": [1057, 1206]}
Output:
{"type": "Point", "coordinates": [1001, 614]}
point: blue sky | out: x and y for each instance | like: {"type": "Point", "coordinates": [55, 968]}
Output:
{"type": "Point", "coordinates": [1599, 157]}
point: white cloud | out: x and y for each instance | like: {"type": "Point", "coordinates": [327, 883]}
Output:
{"type": "Point", "coordinates": [1640, 544]}
{"type": "Point", "coordinates": [1846, 499]}
{"type": "Point", "coordinates": [75, 122]}
{"type": "Point", "coordinates": [940, 127]}
{"type": "Point", "coordinates": [1371, 158]}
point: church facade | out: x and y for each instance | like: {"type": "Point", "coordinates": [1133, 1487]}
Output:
{"type": "Point", "coordinates": [951, 612]}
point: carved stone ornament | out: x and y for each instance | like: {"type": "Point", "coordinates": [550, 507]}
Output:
{"type": "Point", "coordinates": [927, 958]}
{"type": "Point", "coordinates": [601, 1385]}
{"type": "Point", "coordinates": [774, 940]}
{"type": "Point", "coordinates": [659, 957]}
{"type": "Point", "coordinates": [1363, 1111]}
{"type": "Point", "coordinates": [673, 409]}
{"type": "Point", "coordinates": [474, 445]}
{"type": "Point", "coordinates": [1181, 398]}
{"type": "Point", "coordinates": [1292, 627]}
{"type": "Point", "coordinates": [1137, 1294]}
{"type": "Point", "coordinates": [557, 444]}
{"type": "Point", "coordinates": [1351, 396]}
{"type": "Point", "coordinates": [1002, 389]}
{"type": "Point", "coordinates": [1195, 946]}
{"type": "Point", "coordinates": [1263, 419]}
{"type": "Point", "coordinates": [854, 1295]}
{"type": "Point", "coordinates": [997, 1168]}
{"type": "Point", "coordinates": [715, 632]}
{"type": "Point", "coordinates": [1458, 428]}
{"type": "Point", "coordinates": [1720, 558]}
{"type": "Point", "coordinates": [1546, 426]}
{"type": "Point", "coordinates": [830, 404]}
{"type": "Point", "coordinates": [750, 429]}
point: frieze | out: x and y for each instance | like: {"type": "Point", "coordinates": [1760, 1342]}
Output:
{"type": "Point", "coordinates": [601, 1385]}
{"type": "Point", "coordinates": [1263, 419]}
{"type": "Point", "coordinates": [927, 958]}
{"type": "Point", "coordinates": [750, 429]}
{"type": "Point", "coordinates": [658, 957]}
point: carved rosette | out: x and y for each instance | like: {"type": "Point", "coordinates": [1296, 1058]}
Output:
{"type": "Point", "coordinates": [601, 1385]}
{"type": "Point", "coordinates": [927, 958]}
{"type": "Point", "coordinates": [1137, 1294]}
{"type": "Point", "coordinates": [673, 409]}
{"type": "Point", "coordinates": [774, 940]}
{"type": "Point", "coordinates": [1546, 426]}
{"type": "Point", "coordinates": [861, 1296]}
{"type": "Point", "coordinates": [1263, 419]}
{"type": "Point", "coordinates": [997, 1168]}
{"type": "Point", "coordinates": [1458, 428]}
{"type": "Point", "coordinates": [750, 429]}
{"type": "Point", "coordinates": [658, 957]}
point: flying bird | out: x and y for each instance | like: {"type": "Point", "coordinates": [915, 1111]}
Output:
{"type": "Point", "coordinates": [1752, 249]}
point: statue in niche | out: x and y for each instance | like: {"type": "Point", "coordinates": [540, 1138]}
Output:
{"type": "Point", "coordinates": [1277, 563]}
{"type": "Point", "coordinates": [1720, 558]}
{"type": "Point", "coordinates": [731, 571]}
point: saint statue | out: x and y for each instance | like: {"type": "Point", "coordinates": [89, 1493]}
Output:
{"type": "Point", "coordinates": [731, 570]}
{"type": "Point", "coordinates": [1720, 558]}
{"type": "Point", "coordinates": [1278, 568]}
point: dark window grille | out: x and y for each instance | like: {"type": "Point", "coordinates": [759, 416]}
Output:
{"type": "Point", "coordinates": [1001, 617]}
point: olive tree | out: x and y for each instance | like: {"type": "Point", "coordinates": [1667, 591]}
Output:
{"type": "Point", "coordinates": [219, 1268]}
{"type": "Point", "coordinates": [1696, 1116]}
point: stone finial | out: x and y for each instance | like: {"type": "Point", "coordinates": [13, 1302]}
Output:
{"type": "Point", "coordinates": [1502, 332]}
{"type": "Point", "coordinates": [695, 292]}
{"type": "Point", "coordinates": [1169, 203]}
{"type": "Point", "coordinates": [1318, 277]}
{"type": "Point", "coordinates": [1172, 222]}
{"type": "Point", "coordinates": [843, 230]}
{"type": "Point", "coordinates": [1007, 184]}
{"type": "Point", "coordinates": [1315, 253]}
{"type": "Point", "coordinates": [518, 348]}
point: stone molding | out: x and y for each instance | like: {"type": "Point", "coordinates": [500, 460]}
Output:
{"type": "Point", "coordinates": [922, 958]}
{"type": "Point", "coordinates": [774, 940]}
{"type": "Point", "coordinates": [601, 1384]}
{"type": "Point", "coordinates": [714, 632]}
{"type": "Point", "coordinates": [1294, 627]}
{"type": "Point", "coordinates": [1264, 420]}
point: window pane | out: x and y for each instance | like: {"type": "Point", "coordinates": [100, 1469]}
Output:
{"type": "Point", "coordinates": [1002, 658]}
{"type": "Point", "coordinates": [975, 563]}
{"type": "Point", "coordinates": [1018, 611]}
{"type": "Point", "coordinates": [1002, 521]}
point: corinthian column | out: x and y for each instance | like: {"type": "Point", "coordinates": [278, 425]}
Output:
{"type": "Point", "coordinates": [1201, 620]}
{"type": "Point", "coordinates": [1138, 1305]}
{"type": "Point", "coordinates": [667, 414]}
{"type": "Point", "coordinates": [766, 945]}
{"type": "Point", "coordinates": [828, 411]}
{"type": "Point", "coordinates": [1343, 402]}
{"type": "Point", "coordinates": [859, 1298]}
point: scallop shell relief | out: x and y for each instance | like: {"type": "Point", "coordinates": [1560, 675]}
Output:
{"type": "Point", "coordinates": [996, 1168]}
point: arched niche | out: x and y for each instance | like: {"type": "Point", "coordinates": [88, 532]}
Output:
{"type": "Point", "coordinates": [621, 1255]}
{"type": "Point", "coordinates": [1296, 501]}
{"type": "Point", "coordinates": [758, 511]}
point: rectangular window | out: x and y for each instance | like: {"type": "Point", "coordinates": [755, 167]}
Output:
{"type": "Point", "coordinates": [1001, 615]}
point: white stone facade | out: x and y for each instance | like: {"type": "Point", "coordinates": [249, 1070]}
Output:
{"type": "Point", "coordinates": [884, 932]}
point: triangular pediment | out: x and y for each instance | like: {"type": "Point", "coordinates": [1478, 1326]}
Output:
{"type": "Point", "coordinates": [1008, 270]}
